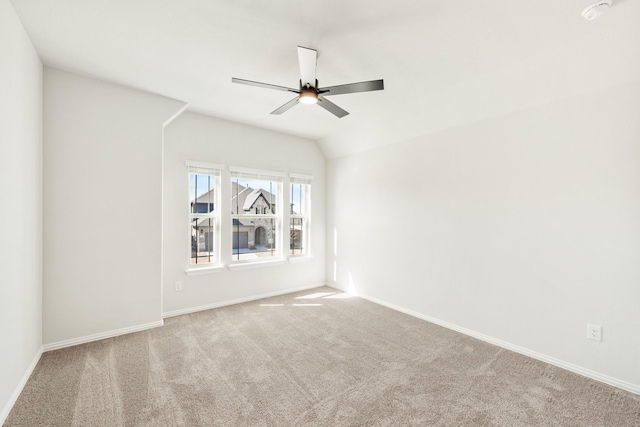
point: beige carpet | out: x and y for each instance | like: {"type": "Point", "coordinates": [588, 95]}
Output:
{"type": "Point", "coordinates": [319, 360]}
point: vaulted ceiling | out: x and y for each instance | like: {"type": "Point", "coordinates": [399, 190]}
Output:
{"type": "Point", "coordinates": [444, 63]}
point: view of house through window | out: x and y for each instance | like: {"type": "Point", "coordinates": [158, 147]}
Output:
{"type": "Point", "coordinates": [299, 215]}
{"type": "Point", "coordinates": [255, 224]}
{"type": "Point", "coordinates": [203, 218]}
{"type": "Point", "coordinates": [254, 216]}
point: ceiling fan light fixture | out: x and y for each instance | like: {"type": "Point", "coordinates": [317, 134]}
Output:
{"type": "Point", "coordinates": [308, 96]}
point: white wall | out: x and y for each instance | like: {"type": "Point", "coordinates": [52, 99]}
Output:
{"type": "Point", "coordinates": [102, 206]}
{"type": "Point", "coordinates": [523, 228]}
{"type": "Point", "coordinates": [196, 137]}
{"type": "Point", "coordinates": [20, 206]}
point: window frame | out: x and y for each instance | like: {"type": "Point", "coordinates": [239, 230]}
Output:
{"type": "Point", "coordinates": [305, 216]}
{"type": "Point", "coordinates": [216, 171]}
{"type": "Point", "coordinates": [278, 179]}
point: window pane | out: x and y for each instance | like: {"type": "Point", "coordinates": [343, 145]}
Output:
{"type": "Point", "coordinates": [253, 196]}
{"type": "Point", "coordinates": [253, 238]}
{"type": "Point", "coordinates": [202, 233]}
{"type": "Point", "coordinates": [201, 194]}
{"type": "Point", "coordinates": [298, 205]}
{"type": "Point", "coordinates": [296, 236]}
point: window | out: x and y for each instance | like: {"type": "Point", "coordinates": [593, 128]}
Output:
{"type": "Point", "coordinates": [299, 191]}
{"type": "Point", "coordinates": [255, 221]}
{"type": "Point", "coordinates": [204, 193]}
{"type": "Point", "coordinates": [257, 234]}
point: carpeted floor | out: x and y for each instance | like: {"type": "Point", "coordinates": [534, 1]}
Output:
{"type": "Point", "coordinates": [315, 358]}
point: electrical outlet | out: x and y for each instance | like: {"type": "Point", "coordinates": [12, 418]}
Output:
{"type": "Point", "coordinates": [594, 332]}
{"type": "Point", "coordinates": [178, 286]}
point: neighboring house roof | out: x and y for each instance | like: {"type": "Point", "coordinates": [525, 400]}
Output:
{"type": "Point", "coordinates": [243, 198]}
{"type": "Point", "coordinates": [247, 198]}
{"type": "Point", "coordinates": [237, 199]}
{"type": "Point", "coordinates": [207, 197]}
{"type": "Point", "coordinates": [253, 197]}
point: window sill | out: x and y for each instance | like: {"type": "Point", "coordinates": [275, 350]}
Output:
{"type": "Point", "coordinates": [300, 258]}
{"type": "Point", "coordinates": [248, 265]}
{"type": "Point", "coordinates": [196, 271]}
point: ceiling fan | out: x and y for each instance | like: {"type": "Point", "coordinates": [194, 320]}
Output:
{"type": "Point", "coordinates": [309, 92]}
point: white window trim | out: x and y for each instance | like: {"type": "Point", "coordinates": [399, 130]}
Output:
{"type": "Point", "coordinates": [257, 172]}
{"type": "Point", "coordinates": [197, 271]}
{"type": "Point", "coordinates": [300, 176]}
{"type": "Point", "coordinates": [295, 178]}
{"type": "Point", "coordinates": [205, 165]}
{"type": "Point", "coordinates": [216, 264]}
{"type": "Point", "coordinates": [247, 264]}
{"type": "Point", "coordinates": [260, 174]}
{"type": "Point", "coordinates": [222, 219]}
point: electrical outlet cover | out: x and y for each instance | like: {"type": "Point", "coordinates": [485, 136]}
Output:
{"type": "Point", "coordinates": [594, 332]}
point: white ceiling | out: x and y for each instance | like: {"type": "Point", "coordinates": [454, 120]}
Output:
{"type": "Point", "coordinates": [444, 63]}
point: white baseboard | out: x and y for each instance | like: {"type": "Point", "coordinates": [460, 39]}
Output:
{"type": "Point", "coordinates": [624, 385]}
{"type": "Point", "coordinates": [16, 393]}
{"type": "Point", "coordinates": [138, 328]}
{"type": "Point", "coordinates": [101, 336]}
{"type": "Point", "coordinates": [237, 301]}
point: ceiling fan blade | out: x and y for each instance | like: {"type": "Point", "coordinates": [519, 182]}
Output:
{"type": "Point", "coordinates": [286, 106]}
{"type": "Point", "coordinates": [264, 85]}
{"type": "Point", "coordinates": [331, 107]}
{"type": "Point", "coordinates": [307, 59]}
{"type": "Point", "coordinates": [353, 88]}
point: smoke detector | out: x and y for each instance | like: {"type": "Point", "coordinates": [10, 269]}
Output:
{"type": "Point", "coordinates": [596, 10]}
